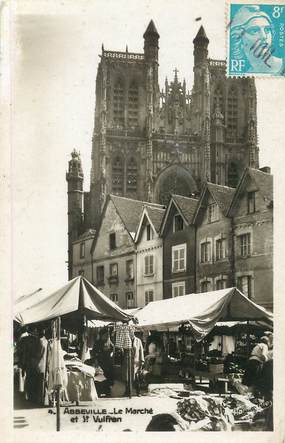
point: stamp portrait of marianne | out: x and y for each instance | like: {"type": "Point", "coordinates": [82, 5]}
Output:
{"type": "Point", "coordinates": [256, 34]}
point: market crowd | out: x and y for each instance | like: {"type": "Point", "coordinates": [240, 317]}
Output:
{"type": "Point", "coordinates": [141, 360]}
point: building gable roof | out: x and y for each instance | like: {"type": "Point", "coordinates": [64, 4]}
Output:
{"type": "Point", "coordinates": [154, 216]}
{"type": "Point", "coordinates": [129, 211]}
{"type": "Point", "coordinates": [185, 206]}
{"type": "Point", "coordinates": [263, 182]}
{"type": "Point", "coordinates": [223, 196]}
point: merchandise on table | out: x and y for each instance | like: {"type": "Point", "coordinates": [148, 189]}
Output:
{"type": "Point", "coordinates": [207, 411]}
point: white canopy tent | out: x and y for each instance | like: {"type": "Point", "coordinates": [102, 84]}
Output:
{"type": "Point", "coordinates": [202, 311]}
{"type": "Point", "coordinates": [75, 300]}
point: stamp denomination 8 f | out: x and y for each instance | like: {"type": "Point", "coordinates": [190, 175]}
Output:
{"type": "Point", "coordinates": [256, 40]}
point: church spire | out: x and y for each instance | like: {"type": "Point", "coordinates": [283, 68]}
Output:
{"type": "Point", "coordinates": [151, 37]}
{"type": "Point", "coordinates": [201, 36]}
{"type": "Point", "coordinates": [151, 30]}
{"type": "Point", "coordinates": [74, 178]}
{"type": "Point", "coordinates": [201, 42]}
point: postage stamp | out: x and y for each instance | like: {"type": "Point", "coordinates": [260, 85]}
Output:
{"type": "Point", "coordinates": [256, 39]}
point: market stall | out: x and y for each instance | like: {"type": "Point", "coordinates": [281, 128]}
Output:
{"type": "Point", "coordinates": [75, 301]}
{"type": "Point", "coordinates": [196, 316]}
{"type": "Point", "coordinates": [70, 308]}
{"type": "Point", "coordinates": [215, 326]}
{"type": "Point", "coordinates": [202, 311]}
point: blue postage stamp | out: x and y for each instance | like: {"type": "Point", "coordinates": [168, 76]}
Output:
{"type": "Point", "coordinates": [256, 39]}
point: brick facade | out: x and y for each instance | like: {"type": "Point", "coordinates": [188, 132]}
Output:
{"type": "Point", "coordinates": [172, 240]}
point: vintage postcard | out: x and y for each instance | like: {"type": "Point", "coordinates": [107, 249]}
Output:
{"type": "Point", "coordinates": [144, 250]}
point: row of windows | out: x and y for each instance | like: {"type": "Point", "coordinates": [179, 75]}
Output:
{"type": "Point", "coordinates": [120, 102]}
{"type": "Point", "coordinates": [206, 250]}
{"type": "Point", "coordinates": [130, 300]}
{"type": "Point", "coordinates": [113, 272]}
{"type": "Point", "coordinates": [243, 248]}
{"type": "Point", "coordinates": [124, 176]}
{"type": "Point", "coordinates": [232, 109]}
{"type": "Point", "coordinates": [244, 283]}
{"type": "Point", "coordinates": [179, 251]}
{"type": "Point", "coordinates": [179, 257]}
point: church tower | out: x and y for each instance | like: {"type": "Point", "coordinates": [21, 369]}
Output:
{"type": "Point", "coordinates": [201, 100]}
{"type": "Point", "coordinates": [74, 178]}
{"type": "Point", "coordinates": [151, 38]}
{"type": "Point", "coordinates": [149, 143]}
{"type": "Point", "coordinates": [127, 107]}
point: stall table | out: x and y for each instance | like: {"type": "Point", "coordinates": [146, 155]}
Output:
{"type": "Point", "coordinates": [211, 376]}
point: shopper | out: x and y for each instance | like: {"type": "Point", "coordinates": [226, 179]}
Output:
{"type": "Point", "coordinates": [103, 352]}
{"type": "Point", "coordinates": [136, 355]}
{"type": "Point", "coordinates": [266, 379]}
{"type": "Point", "coordinates": [41, 366]}
{"type": "Point", "coordinates": [137, 360]}
{"type": "Point", "coordinates": [29, 347]}
{"type": "Point", "coordinates": [259, 355]}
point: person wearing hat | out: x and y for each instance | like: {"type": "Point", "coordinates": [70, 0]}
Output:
{"type": "Point", "coordinates": [252, 33]}
{"type": "Point", "coordinates": [258, 356]}
{"type": "Point", "coordinates": [266, 381]}
{"type": "Point", "coordinates": [102, 352]}
{"type": "Point", "coordinates": [269, 335]}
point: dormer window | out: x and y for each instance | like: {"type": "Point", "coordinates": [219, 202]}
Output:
{"type": "Point", "coordinates": [178, 224]}
{"type": "Point", "coordinates": [251, 200]}
{"type": "Point", "coordinates": [82, 250]}
{"type": "Point", "coordinates": [149, 232]}
{"type": "Point", "coordinates": [112, 241]}
{"type": "Point", "coordinates": [213, 212]}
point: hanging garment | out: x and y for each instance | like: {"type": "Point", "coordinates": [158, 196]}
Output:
{"type": "Point", "coordinates": [215, 344]}
{"type": "Point", "coordinates": [123, 339]}
{"type": "Point", "coordinates": [42, 355]}
{"type": "Point", "coordinates": [228, 344]}
{"type": "Point", "coordinates": [138, 353]}
{"type": "Point", "coordinates": [85, 354]}
{"type": "Point", "coordinates": [57, 372]}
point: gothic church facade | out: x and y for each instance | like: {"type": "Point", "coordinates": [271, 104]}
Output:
{"type": "Point", "coordinates": [149, 142]}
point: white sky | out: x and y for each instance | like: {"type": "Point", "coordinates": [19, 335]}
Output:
{"type": "Point", "coordinates": [55, 62]}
